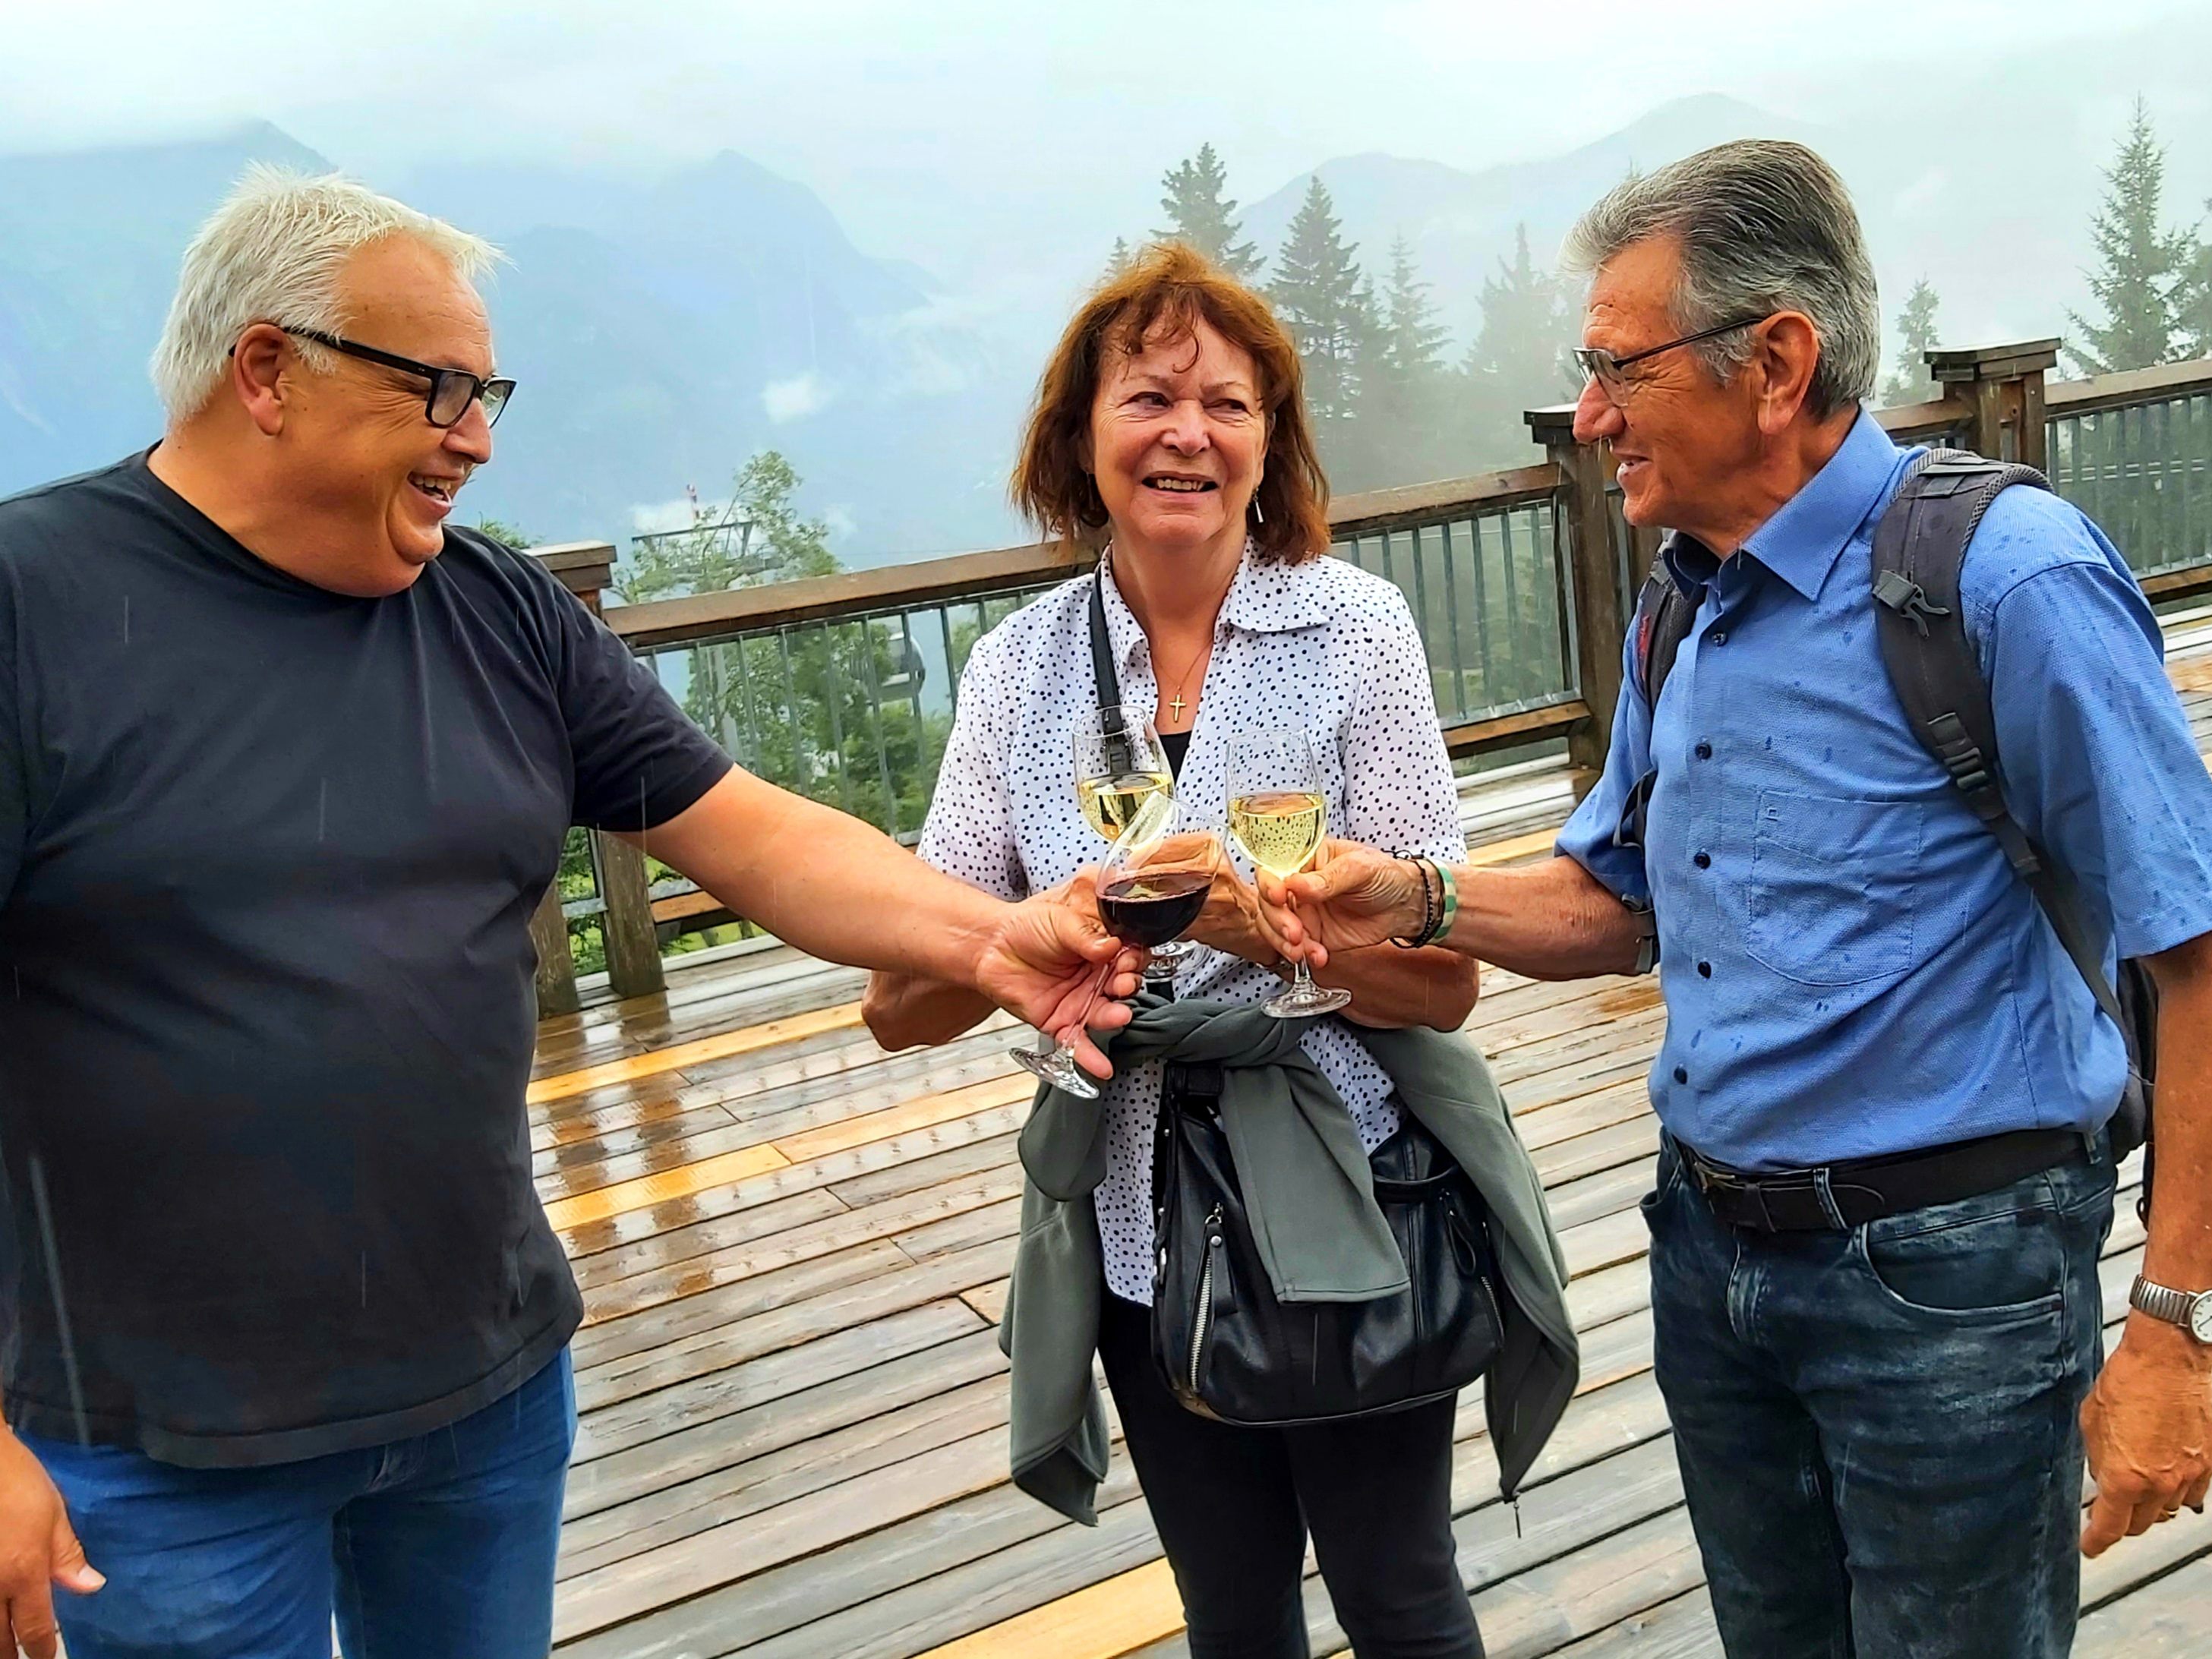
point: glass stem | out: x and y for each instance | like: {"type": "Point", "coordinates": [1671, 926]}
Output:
{"type": "Point", "coordinates": [1046, 1042]}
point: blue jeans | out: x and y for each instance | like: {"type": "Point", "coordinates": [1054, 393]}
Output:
{"type": "Point", "coordinates": [1876, 1428]}
{"type": "Point", "coordinates": [437, 1547]}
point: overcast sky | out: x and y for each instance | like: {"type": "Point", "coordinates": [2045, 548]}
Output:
{"type": "Point", "coordinates": [936, 129]}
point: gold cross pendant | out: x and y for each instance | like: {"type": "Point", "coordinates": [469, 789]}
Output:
{"type": "Point", "coordinates": [1176, 705]}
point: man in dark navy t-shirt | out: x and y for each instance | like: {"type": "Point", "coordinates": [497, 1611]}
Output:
{"type": "Point", "coordinates": [286, 764]}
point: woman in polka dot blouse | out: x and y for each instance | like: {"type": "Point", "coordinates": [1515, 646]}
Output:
{"type": "Point", "coordinates": [1170, 428]}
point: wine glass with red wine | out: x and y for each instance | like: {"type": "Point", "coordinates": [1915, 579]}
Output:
{"type": "Point", "coordinates": [1150, 889]}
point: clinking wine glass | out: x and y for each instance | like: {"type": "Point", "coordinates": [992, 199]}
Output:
{"type": "Point", "coordinates": [1153, 884]}
{"type": "Point", "coordinates": [1279, 817]}
{"type": "Point", "coordinates": [1120, 764]}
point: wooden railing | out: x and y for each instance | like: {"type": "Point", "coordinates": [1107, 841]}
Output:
{"type": "Point", "coordinates": [1520, 582]}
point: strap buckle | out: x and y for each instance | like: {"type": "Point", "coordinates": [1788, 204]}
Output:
{"type": "Point", "coordinates": [1900, 593]}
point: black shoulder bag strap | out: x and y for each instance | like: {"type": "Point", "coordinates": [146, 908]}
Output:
{"type": "Point", "coordinates": [1119, 758]}
{"type": "Point", "coordinates": [1920, 550]}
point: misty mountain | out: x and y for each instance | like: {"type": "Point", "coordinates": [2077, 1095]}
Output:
{"type": "Point", "coordinates": [664, 327]}
{"type": "Point", "coordinates": [1992, 205]}
{"type": "Point", "coordinates": [661, 332]}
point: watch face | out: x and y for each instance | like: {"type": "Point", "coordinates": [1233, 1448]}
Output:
{"type": "Point", "coordinates": [2200, 1319]}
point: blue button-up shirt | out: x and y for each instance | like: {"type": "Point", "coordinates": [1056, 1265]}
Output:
{"type": "Point", "coordinates": [1849, 965]}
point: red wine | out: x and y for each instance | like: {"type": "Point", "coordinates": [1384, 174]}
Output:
{"type": "Point", "coordinates": [1149, 910]}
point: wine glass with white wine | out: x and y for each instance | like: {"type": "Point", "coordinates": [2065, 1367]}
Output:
{"type": "Point", "coordinates": [1279, 815]}
{"type": "Point", "coordinates": [1120, 764]}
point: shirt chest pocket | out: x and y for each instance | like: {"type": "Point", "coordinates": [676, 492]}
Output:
{"type": "Point", "coordinates": [1836, 890]}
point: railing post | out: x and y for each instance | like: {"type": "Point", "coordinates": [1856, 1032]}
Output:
{"type": "Point", "coordinates": [2002, 388]}
{"type": "Point", "coordinates": [626, 924]}
{"type": "Point", "coordinates": [1595, 568]}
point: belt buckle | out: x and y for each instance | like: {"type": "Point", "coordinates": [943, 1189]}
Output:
{"type": "Point", "coordinates": [1712, 1178]}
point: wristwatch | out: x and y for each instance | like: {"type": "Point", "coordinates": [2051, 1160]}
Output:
{"type": "Point", "coordinates": [2191, 1310]}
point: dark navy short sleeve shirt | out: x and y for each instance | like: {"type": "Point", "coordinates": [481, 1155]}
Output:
{"type": "Point", "coordinates": [268, 857]}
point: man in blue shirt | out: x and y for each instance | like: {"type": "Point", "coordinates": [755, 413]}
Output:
{"type": "Point", "coordinates": [1874, 1397]}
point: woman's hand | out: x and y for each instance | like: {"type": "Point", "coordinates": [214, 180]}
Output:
{"type": "Point", "coordinates": [1235, 921]}
{"type": "Point", "coordinates": [1356, 897]}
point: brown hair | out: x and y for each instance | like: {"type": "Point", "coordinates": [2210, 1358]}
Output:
{"type": "Point", "coordinates": [1172, 284]}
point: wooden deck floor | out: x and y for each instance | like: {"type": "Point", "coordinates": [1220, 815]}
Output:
{"type": "Point", "coordinates": [793, 1247]}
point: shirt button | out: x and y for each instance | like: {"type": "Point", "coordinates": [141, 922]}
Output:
{"type": "Point", "coordinates": [1720, 637]}
{"type": "Point", "coordinates": [1704, 970]}
{"type": "Point", "coordinates": [1681, 1074]}
{"type": "Point", "coordinates": [1705, 751]}
{"type": "Point", "coordinates": [1703, 860]}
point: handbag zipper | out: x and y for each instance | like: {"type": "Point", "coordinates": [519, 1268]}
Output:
{"type": "Point", "coordinates": [1203, 1315]}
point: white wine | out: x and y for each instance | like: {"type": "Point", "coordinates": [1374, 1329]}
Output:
{"type": "Point", "coordinates": [1112, 804]}
{"type": "Point", "coordinates": [1279, 829]}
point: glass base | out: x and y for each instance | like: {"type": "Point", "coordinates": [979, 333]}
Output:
{"type": "Point", "coordinates": [1174, 951]}
{"type": "Point", "coordinates": [1059, 1069]}
{"type": "Point", "coordinates": [1305, 1002]}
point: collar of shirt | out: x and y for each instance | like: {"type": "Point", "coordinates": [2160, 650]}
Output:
{"type": "Point", "coordinates": [1265, 597]}
{"type": "Point", "coordinates": [1802, 541]}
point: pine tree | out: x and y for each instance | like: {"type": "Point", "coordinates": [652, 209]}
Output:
{"type": "Point", "coordinates": [1414, 340]}
{"type": "Point", "coordinates": [1405, 421]}
{"type": "Point", "coordinates": [2143, 269]}
{"type": "Point", "coordinates": [1118, 260]}
{"type": "Point", "coordinates": [1318, 294]}
{"type": "Point", "coordinates": [1518, 360]}
{"type": "Point", "coordinates": [2194, 311]}
{"type": "Point", "coordinates": [1915, 329]}
{"type": "Point", "coordinates": [1198, 214]}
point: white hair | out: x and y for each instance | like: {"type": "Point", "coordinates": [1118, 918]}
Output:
{"type": "Point", "coordinates": [272, 253]}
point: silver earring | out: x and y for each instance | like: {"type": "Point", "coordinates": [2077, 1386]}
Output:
{"type": "Point", "coordinates": [1258, 513]}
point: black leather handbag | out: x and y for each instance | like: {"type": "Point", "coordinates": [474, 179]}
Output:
{"type": "Point", "coordinates": [1231, 1352]}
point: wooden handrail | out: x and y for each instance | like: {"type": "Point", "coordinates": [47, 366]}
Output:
{"type": "Point", "coordinates": [663, 622]}
{"type": "Point", "coordinates": [2135, 386]}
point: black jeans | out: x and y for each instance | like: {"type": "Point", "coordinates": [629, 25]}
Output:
{"type": "Point", "coordinates": [1233, 1506]}
{"type": "Point", "coordinates": [1877, 1427]}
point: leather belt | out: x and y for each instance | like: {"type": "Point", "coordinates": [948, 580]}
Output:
{"type": "Point", "coordinates": [1838, 1196]}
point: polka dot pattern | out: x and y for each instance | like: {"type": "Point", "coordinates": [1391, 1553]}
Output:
{"type": "Point", "coordinates": [1322, 645]}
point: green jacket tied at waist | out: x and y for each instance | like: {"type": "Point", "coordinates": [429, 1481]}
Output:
{"type": "Point", "coordinates": [1309, 1196]}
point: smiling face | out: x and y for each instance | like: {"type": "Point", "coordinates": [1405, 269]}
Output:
{"type": "Point", "coordinates": [361, 453]}
{"type": "Point", "coordinates": [1683, 439]}
{"type": "Point", "coordinates": [1178, 439]}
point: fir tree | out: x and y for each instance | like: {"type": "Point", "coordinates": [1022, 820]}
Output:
{"type": "Point", "coordinates": [1405, 421]}
{"type": "Point", "coordinates": [1414, 341]}
{"type": "Point", "coordinates": [1915, 329]}
{"type": "Point", "coordinates": [1518, 361]}
{"type": "Point", "coordinates": [2143, 269]}
{"type": "Point", "coordinates": [1118, 260]}
{"type": "Point", "coordinates": [1318, 293]}
{"type": "Point", "coordinates": [2194, 311]}
{"type": "Point", "coordinates": [1200, 216]}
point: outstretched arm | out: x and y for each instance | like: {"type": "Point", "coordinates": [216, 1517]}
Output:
{"type": "Point", "coordinates": [840, 889]}
{"type": "Point", "coordinates": [1550, 920]}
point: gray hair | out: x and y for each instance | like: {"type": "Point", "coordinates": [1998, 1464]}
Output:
{"type": "Point", "coordinates": [273, 253]}
{"type": "Point", "coordinates": [1764, 226]}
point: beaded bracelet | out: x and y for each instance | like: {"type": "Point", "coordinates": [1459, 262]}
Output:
{"type": "Point", "coordinates": [1431, 905]}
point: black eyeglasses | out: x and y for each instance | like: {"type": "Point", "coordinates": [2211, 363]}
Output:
{"type": "Point", "coordinates": [1598, 364]}
{"type": "Point", "coordinates": [452, 389]}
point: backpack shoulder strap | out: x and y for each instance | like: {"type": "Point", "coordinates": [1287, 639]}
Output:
{"type": "Point", "coordinates": [1919, 550]}
{"type": "Point", "coordinates": [1663, 617]}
